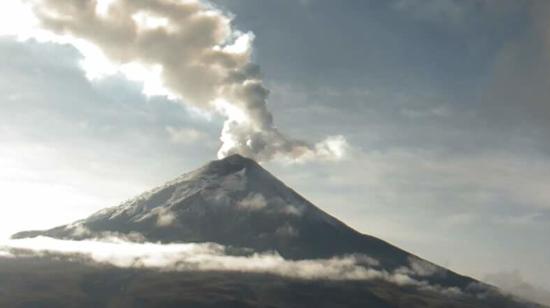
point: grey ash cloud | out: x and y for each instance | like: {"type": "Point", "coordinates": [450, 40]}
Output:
{"type": "Point", "coordinates": [188, 51]}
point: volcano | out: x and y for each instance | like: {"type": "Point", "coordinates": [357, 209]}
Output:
{"type": "Point", "coordinates": [236, 203]}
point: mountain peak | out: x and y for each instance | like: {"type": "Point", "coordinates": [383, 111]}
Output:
{"type": "Point", "coordinates": [237, 203]}
{"type": "Point", "coordinates": [236, 158]}
{"type": "Point", "coordinates": [229, 164]}
{"type": "Point", "coordinates": [233, 202]}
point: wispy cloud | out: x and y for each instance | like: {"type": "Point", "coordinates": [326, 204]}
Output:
{"type": "Point", "coordinates": [515, 284]}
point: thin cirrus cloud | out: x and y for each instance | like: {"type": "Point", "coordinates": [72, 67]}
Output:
{"type": "Point", "coordinates": [187, 51]}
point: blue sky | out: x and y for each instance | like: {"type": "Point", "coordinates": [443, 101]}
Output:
{"type": "Point", "coordinates": [444, 105]}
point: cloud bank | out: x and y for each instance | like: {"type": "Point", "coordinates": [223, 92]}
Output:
{"type": "Point", "coordinates": [186, 50]}
{"type": "Point", "coordinates": [213, 257]}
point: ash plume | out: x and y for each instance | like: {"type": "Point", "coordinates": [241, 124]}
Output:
{"type": "Point", "coordinates": [186, 50]}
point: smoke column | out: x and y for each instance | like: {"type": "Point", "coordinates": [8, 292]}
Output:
{"type": "Point", "coordinates": [186, 50]}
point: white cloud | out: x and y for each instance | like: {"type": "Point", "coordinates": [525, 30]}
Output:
{"type": "Point", "coordinates": [213, 257]}
{"type": "Point", "coordinates": [165, 218]}
{"type": "Point", "coordinates": [253, 202]}
{"type": "Point", "coordinates": [420, 268]}
{"type": "Point", "coordinates": [15, 16]}
{"type": "Point", "coordinates": [515, 284]}
{"type": "Point", "coordinates": [291, 210]}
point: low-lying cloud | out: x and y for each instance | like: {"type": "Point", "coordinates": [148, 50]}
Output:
{"type": "Point", "coordinates": [214, 257]}
{"type": "Point", "coordinates": [252, 202]}
{"type": "Point", "coordinates": [185, 50]}
{"type": "Point", "coordinates": [515, 284]}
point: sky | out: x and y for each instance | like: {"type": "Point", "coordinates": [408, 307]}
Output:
{"type": "Point", "coordinates": [422, 122]}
